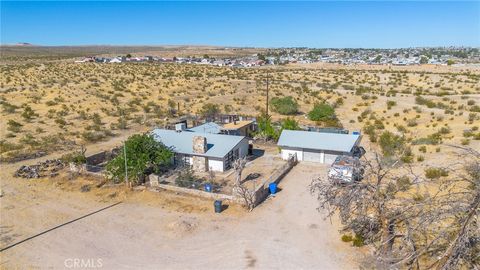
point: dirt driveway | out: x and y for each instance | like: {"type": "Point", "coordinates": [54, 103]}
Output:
{"type": "Point", "coordinates": [286, 232]}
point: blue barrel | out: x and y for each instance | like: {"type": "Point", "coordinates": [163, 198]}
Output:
{"type": "Point", "coordinates": [356, 133]}
{"type": "Point", "coordinates": [273, 188]}
{"type": "Point", "coordinates": [208, 187]}
{"type": "Point", "coordinates": [218, 206]}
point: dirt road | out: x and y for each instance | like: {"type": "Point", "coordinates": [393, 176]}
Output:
{"type": "Point", "coordinates": [286, 232]}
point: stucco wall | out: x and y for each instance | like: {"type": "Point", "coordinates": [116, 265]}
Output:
{"type": "Point", "coordinates": [287, 152]}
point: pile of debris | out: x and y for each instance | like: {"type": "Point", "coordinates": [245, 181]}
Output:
{"type": "Point", "coordinates": [48, 168]}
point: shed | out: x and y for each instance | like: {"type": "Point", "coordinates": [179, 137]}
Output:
{"type": "Point", "coordinates": [316, 146]}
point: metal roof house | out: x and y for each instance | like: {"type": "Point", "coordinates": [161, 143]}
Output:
{"type": "Point", "coordinates": [203, 151]}
{"type": "Point", "coordinates": [316, 146]}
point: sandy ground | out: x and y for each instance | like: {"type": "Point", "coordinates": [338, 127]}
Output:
{"type": "Point", "coordinates": [167, 231]}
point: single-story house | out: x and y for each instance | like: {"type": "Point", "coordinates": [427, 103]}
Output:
{"type": "Point", "coordinates": [203, 151]}
{"type": "Point", "coordinates": [316, 146]}
{"type": "Point", "coordinates": [240, 128]}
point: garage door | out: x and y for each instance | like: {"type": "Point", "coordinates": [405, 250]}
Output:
{"type": "Point", "coordinates": [330, 158]}
{"type": "Point", "coordinates": [312, 156]}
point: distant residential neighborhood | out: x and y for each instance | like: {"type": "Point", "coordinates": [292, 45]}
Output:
{"type": "Point", "coordinates": [281, 56]}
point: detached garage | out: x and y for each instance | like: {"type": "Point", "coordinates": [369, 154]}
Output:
{"type": "Point", "coordinates": [316, 146]}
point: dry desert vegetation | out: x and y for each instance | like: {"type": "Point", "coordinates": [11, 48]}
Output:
{"type": "Point", "coordinates": [52, 106]}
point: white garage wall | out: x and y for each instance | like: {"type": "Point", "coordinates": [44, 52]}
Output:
{"type": "Point", "coordinates": [313, 155]}
{"type": "Point", "coordinates": [215, 165]}
{"type": "Point", "coordinates": [286, 153]}
{"type": "Point", "coordinates": [327, 157]}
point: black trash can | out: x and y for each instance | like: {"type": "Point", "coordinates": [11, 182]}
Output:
{"type": "Point", "coordinates": [218, 206]}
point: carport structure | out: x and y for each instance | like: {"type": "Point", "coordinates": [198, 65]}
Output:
{"type": "Point", "coordinates": [316, 146]}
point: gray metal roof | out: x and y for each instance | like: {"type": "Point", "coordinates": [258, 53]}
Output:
{"type": "Point", "coordinates": [209, 127]}
{"type": "Point", "coordinates": [218, 145]}
{"type": "Point", "coordinates": [318, 140]}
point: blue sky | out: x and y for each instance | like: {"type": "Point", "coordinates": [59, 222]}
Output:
{"type": "Point", "coordinates": [342, 24]}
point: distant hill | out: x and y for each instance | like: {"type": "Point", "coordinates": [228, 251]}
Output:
{"type": "Point", "coordinates": [23, 44]}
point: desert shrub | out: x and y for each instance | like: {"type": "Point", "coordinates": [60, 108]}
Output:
{"type": "Point", "coordinates": [285, 106]}
{"type": "Point", "coordinates": [14, 126]}
{"type": "Point", "coordinates": [30, 140]}
{"type": "Point", "coordinates": [77, 157]}
{"type": "Point", "coordinates": [358, 241]}
{"type": "Point", "coordinates": [209, 110]}
{"type": "Point", "coordinates": [465, 141]}
{"type": "Point", "coordinates": [435, 173]}
{"type": "Point", "coordinates": [9, 108]}
{"type": "Point", "coordinates": [431, 139]}
{"type": "Point", "coordinates": [91, 136]}
{"type": "Point", "coordinates": [347, 238]}
{"type": "Point", "coordinates": [407, 156]}
{"type": "Point", "coordinates": [186, 178]}
{"type": "Point", "coordinates": [321, 112]}
{"type": "Point", "coordinates": [475, 108]}
{"type": "Point", "coordinates": [403, 183]}
{"type": "Point", "coordinates": [290, 124]}
{"type": "Point", "coordinates": [391, 103]}
{"type": "Point", "coordinates": [370, 131]}
{"type": "Point", "coordinates": [85, 188]}
{"type": "Point", "coordinates": [28, 113]}
{"type": "Point", "coordinates": [391, 144]}
{"type": "Point", "coordinates": [8, 146]}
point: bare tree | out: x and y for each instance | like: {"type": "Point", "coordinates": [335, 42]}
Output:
{"type": "Point", "coordinates": [395, 211]}
{"type": "Point", "coordinates": [461, 204]}
{"type": "Point", "coordinates": [239, 189]}
{"type": "Point", "coordinates": [238, 166]}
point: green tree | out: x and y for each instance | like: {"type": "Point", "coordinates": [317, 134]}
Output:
{"type": "Point", "coordinates": [265, 128]}
{"type": "Point", "coordinates": [423, 60]}
{"type": "Point", "coordinates": [209, 110]}
{"type": "Point", "coordinates": [321, 112]}
{"type": "Point", "coordinates": [450, 62]}
{"type": "Point", "coordinates": [285, 105]}
{"type": "Point", "coordinates": [143, 152]}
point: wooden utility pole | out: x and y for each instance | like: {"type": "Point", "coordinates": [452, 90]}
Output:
{"type": "Point", "coordinates": [125, 157]}
{"type": "Point", "coordinates": [266, 109]}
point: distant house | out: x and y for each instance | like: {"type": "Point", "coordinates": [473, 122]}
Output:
{"type": "Point", "coordinates": [203, 151]}
{"type": "Point", "coordinates": [316, 146]}
{"type": "Point", "coordinates": [209, 127]}
{"type": "Point", "coordinates": [115, 60]}
{"type": "Point", "coordinates": [86, 60]}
